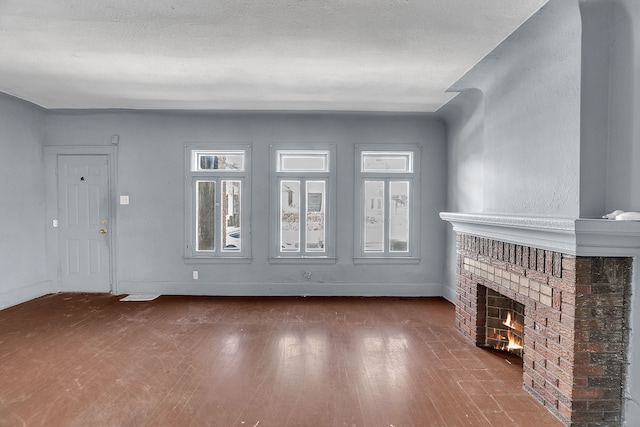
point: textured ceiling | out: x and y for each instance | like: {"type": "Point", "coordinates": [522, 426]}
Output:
{"type": "Point", "coordinates": [345, 55]}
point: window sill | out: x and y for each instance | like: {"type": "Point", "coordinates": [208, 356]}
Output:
{"type": "Point", "coordinates": [302, 260]}
{"type": "Point", "coordinates": [219, 260]}
{"type": "Point", "coordinates": [386, 260]}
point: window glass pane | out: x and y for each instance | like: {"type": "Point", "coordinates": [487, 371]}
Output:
{"type": "Point", "coordinates": [218, 160]}
{"type": "Point", "coordinates": [373, 216]}
{"type": "Point", "coordinates": [231, 215]}
{"type": "Point", "coordinates": [290, 216]}
{"type": "Point", "coordinates": [387, 161]}
{"type": "Point", "coordinates": [303, 161]}
{"type": "Point", "coordinates": [399, 216]}
{"type": "Point", "coordinates": [315, 235]}
{"type": "Point", "coordinates": [206, 215]}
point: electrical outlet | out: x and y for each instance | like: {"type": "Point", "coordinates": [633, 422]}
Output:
{"type": "Point", "coordinates": [195, 274]}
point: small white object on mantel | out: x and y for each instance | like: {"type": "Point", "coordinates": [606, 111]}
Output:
{"type": "Point", "coordinates": [576, 236]}
{"type": "Point", "coordinates": [628, 216]}
{"type": "Point", "coordinates": [612, 215]}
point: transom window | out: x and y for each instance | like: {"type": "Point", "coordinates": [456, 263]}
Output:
{"type": "Point", "coordinates": [228, 160]}
{"type": "Point", "coordinates": [303, 161]}
{"type": "Point", "coordinates": [217, 206]}
{"type": "Point", "coordinates": [387, 161]}
{"type": "Point", "coordinates": [386, 205]}
{"type": "Point", "coordinates": [303, 217]}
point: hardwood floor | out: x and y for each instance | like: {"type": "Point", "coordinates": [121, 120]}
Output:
{"type": "Point", "coordinates": [92, 360]}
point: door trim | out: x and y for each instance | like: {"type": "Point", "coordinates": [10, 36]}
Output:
{"type": "Point", "coordinates": [51, 153]}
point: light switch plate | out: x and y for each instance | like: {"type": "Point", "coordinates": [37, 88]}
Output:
{"type": "Point", "coordinates": [124, 200]}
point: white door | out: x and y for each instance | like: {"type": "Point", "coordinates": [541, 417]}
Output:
{"type": "Point", "coordinates": [83, 212]}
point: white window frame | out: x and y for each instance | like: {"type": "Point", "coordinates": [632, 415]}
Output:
{"type": "Point", "coordinates": [411, 175]}
{"type": "Point", "coordinates": [276, 254]}
{"type": "Point", "coordinates": [193, 175]}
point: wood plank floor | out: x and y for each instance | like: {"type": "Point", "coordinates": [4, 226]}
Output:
{"type": "Point", "coordinates": [91, 360]}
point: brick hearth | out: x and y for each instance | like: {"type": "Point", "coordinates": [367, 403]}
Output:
{"type": "Point", "coordinates": [576, 321]}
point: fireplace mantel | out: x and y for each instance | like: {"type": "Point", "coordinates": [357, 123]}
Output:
{"type": "Point", "coordinates": [575, 236]}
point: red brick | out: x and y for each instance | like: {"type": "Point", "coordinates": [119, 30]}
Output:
{"type": "Point", "coordinates": [521, 271]}
{"type": "Point", "coordinates": [565, 411]}
{"type": "Point", "coordinates": [583, 289]}
{"type": "Point", "coordinates": [581, 382]}
{"type": "Point", "coordinates": [548, 354]}
{"type": "Point", "coordinates": [556, 298]}
{"type": "Point", "coordinates": [556, 372]}
{"type": "Point", "coordinates": [527, 379]}
{"type": "Point", "coordinates": [588, 370]}
{"type": "Point", "coordinates": [604, 405]}
{"type": "Point", "coordinates": [581, 358]}
{"type": "Point", "coordinates": [533, 258]}
{"type": "Point", "coordinates": [557, 265]}
{"type": "Point", "coordinates": [540, 262]}
{"type": "Point", "coordinates": [566, 389]}
{"type": "Point", "coordinates": [519, 255]}
{"type": "Point", "coordinates": [601, 347]}
{"type": "Point", "coordinates": [548, 312]}
{"type": "Point", "coordinates": [548, 262]}
{"type": "Point", "coordinates": [525, 256]}
{"type": "Point", "coordinates": [562, 285]}
{"type": "Point", "coordinates": [563, 352]}
{"type": "Point", "coordinates": [588, 393]}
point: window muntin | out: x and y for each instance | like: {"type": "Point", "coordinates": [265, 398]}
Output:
{"type": "Point", "coordinates": [386, 218]}
{"type": "Point", "coordinates": [217, 209]}
{"type": "Point", "coordinates": [303, 184]}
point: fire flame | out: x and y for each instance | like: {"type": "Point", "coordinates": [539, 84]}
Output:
{"type": "Point", "coordinates": [515, 342]}
{"type": "Point", "coordinates": [512, 324]}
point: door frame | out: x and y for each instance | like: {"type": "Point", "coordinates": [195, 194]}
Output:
{"type": "Point", "coordinates": [51, 153]}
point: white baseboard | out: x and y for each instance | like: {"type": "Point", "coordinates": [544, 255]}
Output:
{"type": "Point", "coordinates": [17, 296]}
{"type": "Point", "coordinates": [449, 294]}
{"type": "Point", "coordinates": [282, 289]}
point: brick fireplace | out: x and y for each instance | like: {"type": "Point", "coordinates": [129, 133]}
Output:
{"type": "Point", "coordinates": [576, 310]}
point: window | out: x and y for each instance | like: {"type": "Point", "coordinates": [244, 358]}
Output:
{"type": "Point", "coordinates": [217, 188]}
{"type": "Point", "coordinates": [303, 188]}
{"type": "Point", "coordinates": [387, 204]}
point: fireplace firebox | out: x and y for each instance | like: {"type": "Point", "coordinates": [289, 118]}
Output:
{"type": "Point", "coordinates": [504, 322]}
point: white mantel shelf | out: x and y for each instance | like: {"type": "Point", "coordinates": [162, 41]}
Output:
{"type": "Point", "coordinates": [576, 236]}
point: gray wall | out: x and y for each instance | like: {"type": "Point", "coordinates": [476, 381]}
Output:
{"type": "Point", "coordinates": [609, 179]}
{"type": "Point", "coordinates": [22, 213]}
{"type": "Point", "coordinates": [150, 231]}
{"type": "Point", "coordinates": [531, 117]}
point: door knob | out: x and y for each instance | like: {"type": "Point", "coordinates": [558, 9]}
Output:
{"type": "Point", "coordinates": [102, 231]}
